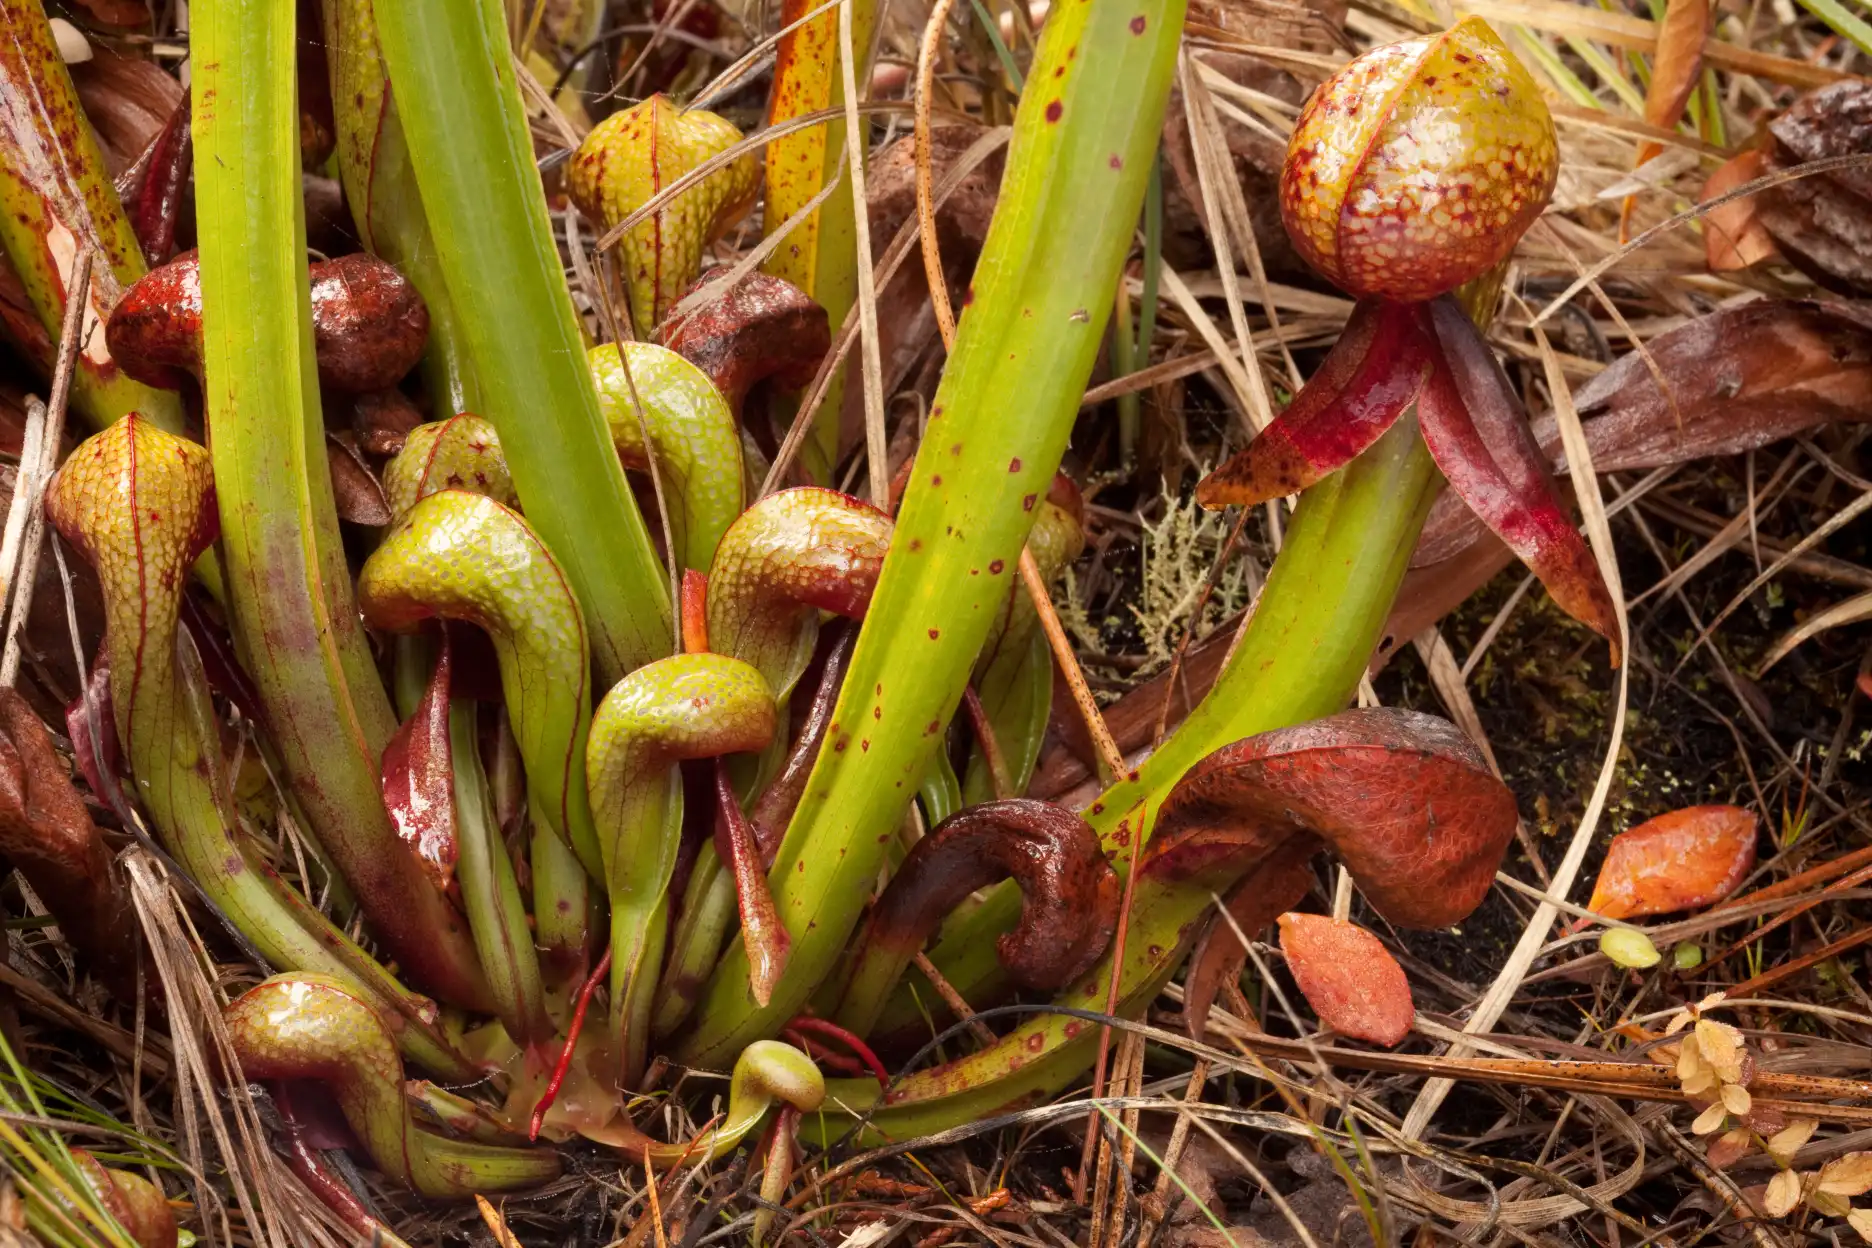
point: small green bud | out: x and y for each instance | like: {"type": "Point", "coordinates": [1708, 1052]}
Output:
{"type": "Point", "coordinates": [1628, 947]}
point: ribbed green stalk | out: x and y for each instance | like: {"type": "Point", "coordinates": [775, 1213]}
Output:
{"type": "Point", "coordinates": [289, 588]}
{"type": "Point", "coordinates": [1312, 634]}
{"type": "Point", "coordinates": [491, 891]}
{"type": "Point", "coordinates": [55, 198]}
{"type": "Point", "coordinates": [1309, 641]}
{"type": "Point", "coordinates": [452, 73]}
{"type": "Point", "coordinates": [1042, 293]}
{"type": "Point", "coordinates": [380, 186]}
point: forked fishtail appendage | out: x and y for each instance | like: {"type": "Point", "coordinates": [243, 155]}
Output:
{"type": "Point", "coordinates": [462, 556]}
{"type": "Point", "coordinates": [463, 453]}
{"type": "Point", "coordinates": [791, 555]}
{"type": "Point", "coordinates": [710, 901]}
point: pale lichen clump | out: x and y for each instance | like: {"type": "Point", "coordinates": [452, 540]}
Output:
{"type": "Point", "coordinates": [1176, 553]}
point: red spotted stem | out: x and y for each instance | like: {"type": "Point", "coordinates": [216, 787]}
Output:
{"type": "Point", "coordinates": [289, 585]}
{"type": "Point", "coordinates": [1328, 595]}
{"type": "Point", "coordinates": [1042, 294]}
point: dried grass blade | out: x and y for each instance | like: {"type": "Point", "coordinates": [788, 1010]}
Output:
{"type": "Point", "coordinates": [876, 450]}
{"type": "Point", "coordinates": [1586, 487]}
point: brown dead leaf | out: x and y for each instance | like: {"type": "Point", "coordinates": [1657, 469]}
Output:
{"type": "Point", "coordinates": [1822, 223]}
{"type": "Point", "coordinates": [21, 329]}
{"type": "Point", "coordinates": [118, 12]}
{"type": "Point", "coordinates": [1677, 66]}
{"type": "Point", "coordinates": [1194, 1236]}
{"type": "Point", "coordinates": [46, 832]}
{"type": "Point", "coordinates": [1728, 1148]}
{"type": "Point", "coordinates": [359, 496]}
{"type": "Point", "coordinates": [1732, 381]}
{"type": "Point", "coordinates": [127, 99]}
{"type": "Point", "coordinates": [1733, 235]}
{"type": "Point", "coordinates": [380, 420]}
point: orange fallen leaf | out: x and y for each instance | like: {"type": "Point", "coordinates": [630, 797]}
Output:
{"type": "Point", "coordinates": [1637, 1033]}
{"type": "Point", "coordinates": [1674, 75]}
{"type": "Point", "coordinates": [1683, 860]}
{"type": "Point", "coordinates": [1733, 235]}
{"type": "Point", "coordinates": [1678, 67]}
{"type": "Point", "coordinates": [1348, 977]}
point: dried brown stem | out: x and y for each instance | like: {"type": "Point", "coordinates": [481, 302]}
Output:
{"type": "Point", "coordinates": [951, 998]}
{"type": "Point", "coordinates": [925, 173]}
{"type": "Point", "coordinates": [1108, 752]}
{"type": "Point", "coordinates": [29, 487]}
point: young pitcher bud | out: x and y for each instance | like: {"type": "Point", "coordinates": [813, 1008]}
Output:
{"type": "Point", "coordinates": [629, 158]}
{"type": "Point", "coordinates": [1418, 166]}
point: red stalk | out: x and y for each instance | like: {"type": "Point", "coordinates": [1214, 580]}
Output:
{"type": "Point", "coordinates": [831, 1030]}
{"type": "Point", "coordinates": [564, 1064]}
